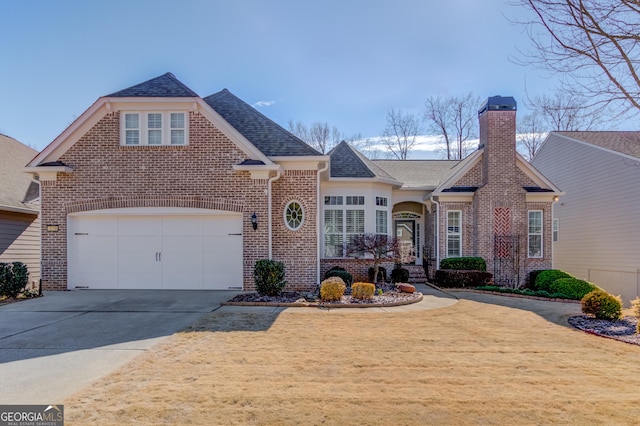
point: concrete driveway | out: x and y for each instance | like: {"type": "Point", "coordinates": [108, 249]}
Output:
{"type": "Point", "coordinates": [55, 345]}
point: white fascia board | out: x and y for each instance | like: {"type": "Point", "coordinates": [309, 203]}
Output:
{"type": "Point", "coordinates": [546, 197]}
{"type": "Point", "coordinates": [47, 172]}
{"type": "Point", "coordinates": [391, 182]}
{"type": "Point", "coordinates": [533, 173]}
{"type": "Point", "coordinates": [598, 147]}
{"type": "Point", "coordinates": [470, 162]}
{"type": "Point", "coordinates": [309, 162]}
{"type": "Point", "coordinates": [236, 137]}
{"type": "Point", "coordinates": [454, 196]}
{"type": "Point", "coordinates": [258, 171]}
{"type": "Point", "coordinates": [71, 134]}
{"type": "Point", "coordinates": [24, 210]}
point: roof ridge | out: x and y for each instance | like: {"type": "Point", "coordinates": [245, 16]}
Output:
{"type": "Point", "coordinates": [156, 87]}
{"type": "Point", "coordinates": [227, 104]}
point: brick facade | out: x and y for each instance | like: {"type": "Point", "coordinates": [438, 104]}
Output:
{"type": "Point", "coordinates": [108, 175]}
{"type": "Point", "coordinates": [500, 192]}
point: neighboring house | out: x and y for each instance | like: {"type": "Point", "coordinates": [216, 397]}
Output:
{"type": "Point", "coordinates": [596, 225]}
{"type": "Point", "coordinates": [19, 208]}
{"type": "Point", "coordinates": [156, 187]}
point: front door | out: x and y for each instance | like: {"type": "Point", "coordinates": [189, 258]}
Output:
{"type": "Point", "coordinates": [406, 235]}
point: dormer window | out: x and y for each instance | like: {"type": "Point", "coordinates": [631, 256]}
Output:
{"type": "Point", "coordinates": [155, 128]}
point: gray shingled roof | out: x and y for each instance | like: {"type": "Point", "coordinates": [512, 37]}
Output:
{"type": "Point", "coordinates": [624, 142]}
{"type": "Point", "coordinates": [165, 86]}
{"type": "Point", "coordinates": [348, 162]}
{"type": "Point", "coordinates": [266, 135]}
{"type": "Point", "coordinates": [419, 173]}
{"type": "Point", "coordinates": [17, 188]}
{"type": "Point", "coordinates": [345, 163]}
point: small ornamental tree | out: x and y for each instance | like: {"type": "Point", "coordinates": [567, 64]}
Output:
{"type": "Point", "coordinates": [379, 248]}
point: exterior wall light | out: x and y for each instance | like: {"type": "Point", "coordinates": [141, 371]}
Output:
{"type": "Point", "coordinates": [254, 221]}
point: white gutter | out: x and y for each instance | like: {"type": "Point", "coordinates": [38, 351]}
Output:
{"type": "Point", "coordinates": [318, 210]}
{"type": "Point", "coordinates": [437, 231]}
{"type": "Point", "coordinates": [24, 210]}
{"type": "Point", "coordinates": [271, 179]}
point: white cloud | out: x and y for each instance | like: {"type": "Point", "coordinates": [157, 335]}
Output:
{"type": "Point", "coordinates": [263, 104]}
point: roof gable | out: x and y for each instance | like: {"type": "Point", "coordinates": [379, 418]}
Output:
{"type": "Point", "coordinates": [17, 188]}
{"type": "Point", "coordinates": [270, 138]}
{"type": "Point", "coordinates": [346, 164]}
{"type": "Point", "coordinates": [165, 86]}
{"type": "Point", "coordinates": [627, 143]}
{"type": "Point", "coordinates": [419, 174]}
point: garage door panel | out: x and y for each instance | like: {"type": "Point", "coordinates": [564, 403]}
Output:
{"type": "Point", "coordinates": [99, 266]}
{"type": "Point", "coordinates": [179, 226]}
{"type": "Point", "coordinates": [138, 259]}
{"type": "Point", "coordinates": [141, 251]}
{"type": "Point", "coordinates": [182, 261]}
{"type": "Point", "coordinates": [223, 261]}
{"type": "Point", "coordinates": [96, 226]}
{"type": "Point", "coordinates": [221, 225]}
{"type": "Point", "coordinates": [138, 225]}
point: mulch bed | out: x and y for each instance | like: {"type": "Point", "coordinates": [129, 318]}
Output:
{"type": "Point", "coordinates": [294, 298]}
{"type": "Point", "coordinates": [623, 329]}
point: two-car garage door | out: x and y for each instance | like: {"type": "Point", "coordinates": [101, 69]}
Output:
{"type": "Point", "coordinates": [155, 249]}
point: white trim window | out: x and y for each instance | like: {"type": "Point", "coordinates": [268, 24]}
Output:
{"type": "Point", "coordinates": [344, 218]}
{"type": "Point", "coordinates": [454, 233]}
{"type": "Point", "coordinates": [382, 222]}
{"type": "Point", "coordinates": [556, 230]}
{"type": "Point", "coordinates": [294, 215]}
{"type": "Point", "coordinates": [154, 128]}
{"type": "Point", "coordinates": [382, 216]}
{"type": "Point", "coordinates": [534, 243]}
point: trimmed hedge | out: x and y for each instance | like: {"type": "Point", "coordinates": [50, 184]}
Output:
{"type": "Point", "coordinates": [545, 278]}
{"type": "Point", "coordinates": [464, 263]}
{"type": "Point", "coordinates": [454, 278]}
{"type": "Point", "coordinates": [14, 278]}
{"type": "Point", "coordinates": [575, 288]}
{"type": "Point", "coordinates": [400, 275]}
{"type": "Point", "coordinates": [531, 278]}
{"type": "Point", "coordinates": [602, 305]}
{"type": "Point", "coordinates": [338, 271]}
{"type": "Point", "coordinates": [523, 291]}
{"type": "Point", "coordinates": [363, 291]}
{"type": "Point", "coordinates": [332, 289]}
{"type": "Point", "coordinates": [268, 277]}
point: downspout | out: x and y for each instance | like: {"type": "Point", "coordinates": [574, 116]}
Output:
{"type": "Point", "coordinates": [437, 231]}
{"type": "Point", "coordinates": [318, 233]}
{"type": "Point", "coordinates": [269, 214]}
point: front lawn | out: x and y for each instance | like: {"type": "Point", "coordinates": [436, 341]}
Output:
{"type": "Point", "coordinates": [485, 360]}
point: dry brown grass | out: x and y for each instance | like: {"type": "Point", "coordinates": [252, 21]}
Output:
{"type": "Point", "coordinates": [485, 360]}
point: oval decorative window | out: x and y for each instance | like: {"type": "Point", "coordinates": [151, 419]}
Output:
{"type": "Point", "coordinates": [293, 215]}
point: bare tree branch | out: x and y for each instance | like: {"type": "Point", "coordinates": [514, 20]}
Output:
{"type": "Point", "coordinates": [531, 134]}
{"type": "Point", "coordinates": [400, 134]}
{"type": "Point", "coordinates": [454, 118]}
{"type": "Point", "coordinates": [595, 43]}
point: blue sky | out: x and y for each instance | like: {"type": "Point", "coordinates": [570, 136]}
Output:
{"type": "Point", "coordinates": [344, 62]}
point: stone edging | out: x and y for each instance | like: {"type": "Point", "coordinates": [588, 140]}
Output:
{"type": "Point", "coordinates": [520, 296]}
{"type": "Point", "coordinates": [326, 305]}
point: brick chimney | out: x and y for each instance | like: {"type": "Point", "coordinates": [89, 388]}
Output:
{"type": "Point", "coordinates": [497, 118]}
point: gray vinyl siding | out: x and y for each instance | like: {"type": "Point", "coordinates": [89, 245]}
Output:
{"type": "Point", "coordinates": [599, 217]}
{"type": "Point", "coordinates": [20, 241]}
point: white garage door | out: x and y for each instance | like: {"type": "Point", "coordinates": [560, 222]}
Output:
{"type": "Point", "coordinates": [155, 249]}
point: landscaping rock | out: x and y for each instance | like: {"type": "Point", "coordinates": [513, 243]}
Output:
{"type": "Point", "coordinates": [406, 288]}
